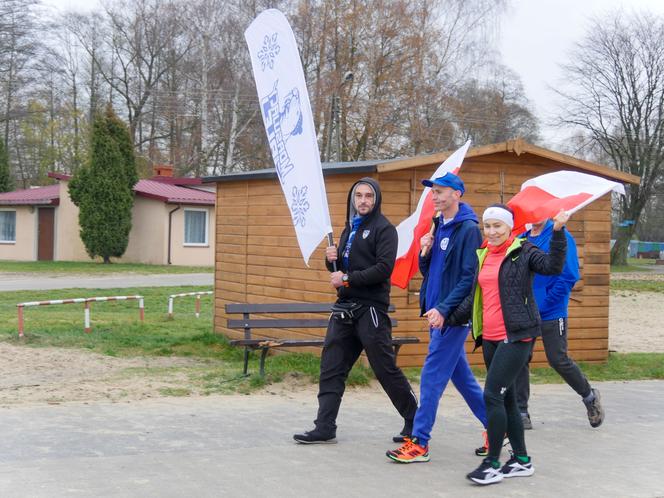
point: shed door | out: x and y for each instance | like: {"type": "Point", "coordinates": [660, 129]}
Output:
{"type": "Point", "coordinates": [45, 234]}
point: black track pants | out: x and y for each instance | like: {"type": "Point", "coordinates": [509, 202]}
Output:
{"type": "Point", "coordinates": [371, 331]}
{"type": "Point", "coordinates": [554, 338]}
{"type": "Point", "coordinates": [503, 361]}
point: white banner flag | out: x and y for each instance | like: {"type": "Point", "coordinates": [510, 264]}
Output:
{"type": "Point", "coordinates": [284, 103]}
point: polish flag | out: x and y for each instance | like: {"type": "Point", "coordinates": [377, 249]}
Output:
{"type": "Point", "coordinates": [413, 228]}
{"type": "Point", "coordinates": [544, 196]}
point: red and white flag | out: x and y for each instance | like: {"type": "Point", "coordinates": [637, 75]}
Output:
{"type": "Point", "coordinates": [413, 228]}
{"type": "Point", "coordinates": [544, 196]}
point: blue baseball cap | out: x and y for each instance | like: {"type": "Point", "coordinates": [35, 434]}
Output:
{"type": "Point", "coordinates": [447, 180]}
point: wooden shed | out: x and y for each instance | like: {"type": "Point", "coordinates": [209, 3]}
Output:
{"type": "Point", "coordinates": [258, 260]}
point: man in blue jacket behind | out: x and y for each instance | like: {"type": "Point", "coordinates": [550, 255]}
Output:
{"type": "Point", "coordinates": [552, 296]}
{"type": "Point", "coordinates": [449, 270]}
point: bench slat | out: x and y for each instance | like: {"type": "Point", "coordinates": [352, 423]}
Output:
{"type": "Point", "coordinates": [282, 308]}
{"type": "Point", "coordinates": [277, 323]}
{"type": "Point", "coordinates": [304, 342]}
{"type": "Point", "coordinates": [282, 323]}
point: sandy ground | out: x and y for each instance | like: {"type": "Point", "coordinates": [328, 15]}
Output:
{"type": "Point", "coordinates": [57, 375]}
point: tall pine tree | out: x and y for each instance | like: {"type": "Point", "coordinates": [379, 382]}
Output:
{"type": "Point", "coordinates": [6, 180]}
{"type": "Point", "coordinates": [103, 189]}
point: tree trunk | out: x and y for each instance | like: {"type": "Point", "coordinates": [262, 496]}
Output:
{"type": "Point", "coordinates": [620, 248]}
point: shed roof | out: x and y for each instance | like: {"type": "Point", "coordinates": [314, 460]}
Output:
{"type": "Point", "coordinates": [49, 195]}
{"type": "Point", "coordinates": [517, 146]}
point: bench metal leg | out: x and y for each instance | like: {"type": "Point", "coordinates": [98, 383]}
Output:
{"type": "Point", "coordinates": [246, 360]}
{"type": "Point", "coordinates": [262, 366]}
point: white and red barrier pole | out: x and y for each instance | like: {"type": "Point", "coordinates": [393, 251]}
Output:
{"type": "Point", "coordinates": [86, 301]}
{"type": "Point", "coordinates": [88, 329]}
{"type": "Point", "coordinates": [198, 295]}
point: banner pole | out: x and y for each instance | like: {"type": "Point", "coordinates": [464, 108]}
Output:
{"type": "Point", "coordinates": [330, 243]}
{"type": "Point", "coordinates": [425, 250]}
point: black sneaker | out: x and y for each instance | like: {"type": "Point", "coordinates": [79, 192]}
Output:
{"type": "Point", "coordinates": [516, 468]}
{"type": "Point", "coordinates": [527, 424]}
{"type": "Point", "coordinates": [486, 473]}
{"type": "Point", "coordinates": [595, 410]}
{"type": "Point", "coordinates": [315, 437]}
{"type": "Point", "coordinates": [405, 434]}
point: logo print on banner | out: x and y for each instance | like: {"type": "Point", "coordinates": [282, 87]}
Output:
{"type": "Point", "coordinates": [283, 117]}
{"type": "Point", "coordinates": [365, 234]}
{"type": "Point", "coordinates": [269, 51]}
{"type": "Point", "coordinates": [300, 206]}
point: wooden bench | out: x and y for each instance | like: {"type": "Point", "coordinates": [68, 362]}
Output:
{"type": "Point", "coordinates": [247, 324]}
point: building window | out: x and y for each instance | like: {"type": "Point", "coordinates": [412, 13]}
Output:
{"type": "Point", "coordinates": [195, 227]}
{"type": "Point", "coordinates": [7, 226]}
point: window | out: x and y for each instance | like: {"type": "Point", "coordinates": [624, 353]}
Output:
{"type": "Point", "coordinates": [195, 227]}
{"type": "Point", "coordinates": [7, 226]}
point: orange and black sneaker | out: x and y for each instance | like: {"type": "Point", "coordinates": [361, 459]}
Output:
{"type": "Point", "coordinates": [410, 452]}
{"type": "Point", "coordinates": [484, 449]}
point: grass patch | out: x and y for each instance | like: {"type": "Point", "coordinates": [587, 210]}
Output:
{"type": "Point", "coordinates": [634, 265]}
{"type": "Point", "coordinates": [116, 331]}
{"type": "Point", "coordinates": [638, 285]}
{"type": "Point", "coordinates": [620, 366]}
{"type": "Point", "coordinates": [95, 267]}
{"type": "Point", "coordinates": [174, 391]}
{"type": "Point", "coordinates": [216, 367]}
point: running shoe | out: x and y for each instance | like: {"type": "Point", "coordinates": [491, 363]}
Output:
{"type": "Point", "coordinates": [410, 452]}
{"type": "Point", "coordinates": [527, 423]}
{"type": "Point", "coordinates": [315, 437]}
{"type": "Point", "coordinates": [595, 410]}
{"type": "Point", "coordinates": [516, 468]}
{"type": "Point", "coordinates": [486, 473]}
{"type": "Point", "coordinates": [405, 433]}
{"type": "Point", "coordinates": [484, 449]}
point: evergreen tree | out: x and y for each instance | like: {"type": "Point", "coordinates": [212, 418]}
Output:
{"type": "Point", "coordinates": [103, 189]}
{"type": "Point", "coordinates": [6, 180]}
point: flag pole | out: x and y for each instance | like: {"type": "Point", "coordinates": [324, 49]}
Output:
{"type": "Point", "coordinates": [425, 250]}
{"type": "Point", "coordinates": [330, 243]}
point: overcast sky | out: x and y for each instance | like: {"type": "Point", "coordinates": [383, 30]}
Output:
{"type": "Point", "coordinates": [535, 37]}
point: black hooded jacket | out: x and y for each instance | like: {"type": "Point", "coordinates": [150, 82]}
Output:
{"type": "Point", "coordinates": [372, 255]}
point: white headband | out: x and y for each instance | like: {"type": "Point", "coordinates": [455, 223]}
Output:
{"type": "Point", "coordinates": [498, 213]}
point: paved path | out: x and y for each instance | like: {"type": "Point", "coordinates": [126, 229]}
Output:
{"type": "Point", "coordinates": [241, 446]}
{"type": "Point", "coordinates": [37, 281]}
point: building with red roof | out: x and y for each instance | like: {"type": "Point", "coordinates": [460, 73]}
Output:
{"type": "Point", "coordinates": [172, 222]}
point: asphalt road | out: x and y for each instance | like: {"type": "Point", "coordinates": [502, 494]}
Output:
{"type": "Point", "coordinates": [37, 281]}
{"type": "Point", "coordinates": [241, 446]}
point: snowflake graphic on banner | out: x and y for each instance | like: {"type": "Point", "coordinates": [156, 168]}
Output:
{"type": "Point", "coordinates": [300, 206]}
{"type": "Point", "coordinates": [269, 51]}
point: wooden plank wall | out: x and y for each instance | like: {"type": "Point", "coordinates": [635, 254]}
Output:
{"type": "Point", "coordinates": [258, 259]}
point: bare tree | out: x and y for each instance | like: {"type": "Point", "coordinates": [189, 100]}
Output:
{"type": "Point", "coordinates": [616, 93]}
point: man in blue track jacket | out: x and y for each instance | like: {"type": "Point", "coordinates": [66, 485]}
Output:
{"type": "Point", "coordinates": [552, 296]}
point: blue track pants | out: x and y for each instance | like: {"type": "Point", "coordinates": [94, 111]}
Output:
{"type": "Point", "coordinates": [446, 360]}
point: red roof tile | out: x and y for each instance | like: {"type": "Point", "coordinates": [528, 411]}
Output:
{"type": "Point", "coordinates": [173, 194]}
{"type": "Point", "coordinates": [32, 196]}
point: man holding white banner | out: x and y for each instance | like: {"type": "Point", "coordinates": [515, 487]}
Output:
{"type": "Point", "coordinates": [359, 321]}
